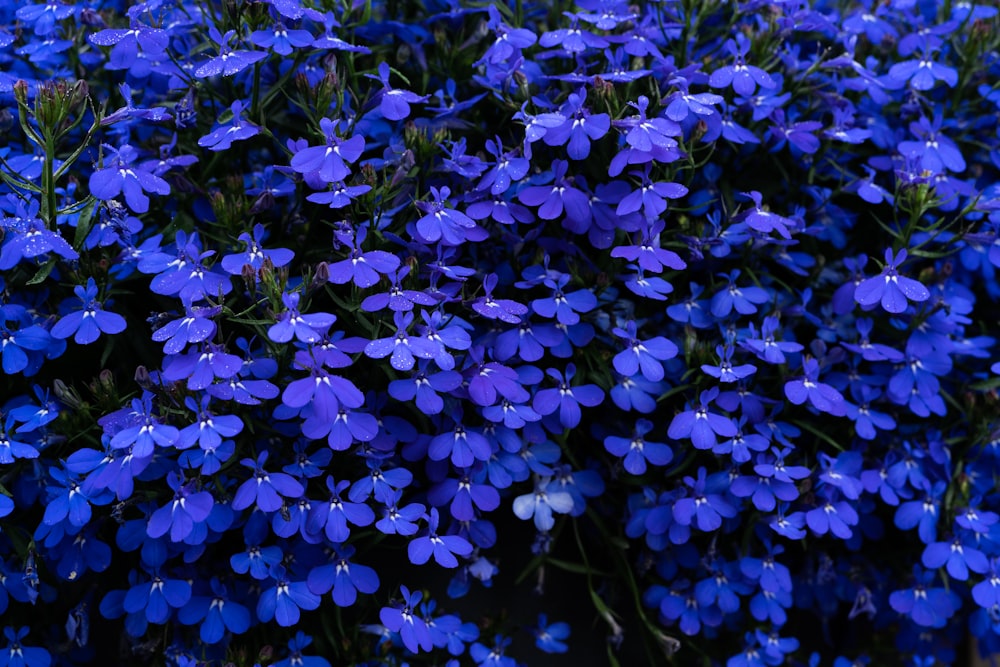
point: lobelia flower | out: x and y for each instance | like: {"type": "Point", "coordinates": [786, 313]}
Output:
{"type": "Point", "coordinates": [88, 324]}
{"type": "Point", "coordinates": [559, 198]}
{"type": "Point", "coordinates": [443, 548]}
{"type": "Point", "coordinates": [889, 288]}
{"type": "Point", "coordinates": [291, 323]}
{"type": "Point", "coordinates": [362, 268]}
{"type": "Point", "coordinates": [283, 601]}
{"type": "Point", "coordinates": [281, 39]}
{"type": "Point", "coordinates": [179, 516]}
{"type": "Point", "coordinates": [210, 429]}
{"type": "Point", "coordinates": [333, 516]}
{"type": "Point", "coordinates": [820, 395]}
{"type": "Point", "coordinates": [725, 371]}
{"type": "Point", "coordinates": [550, 637]}
{"type": "Point", "coordinates": [329, 162]}
{"type": "Point", "coordinates": [922, 73]}
{"type": "Point", "coordinates": [343, 577]}
{"type": "Point", "coordinates": [762, 220]}
{"type": "Point", "coordinates": [956, 557]}
{"type": "Point", "coordinates": [743, 299]}
{"type": "Point", "coordinates": [254, 255]}
{"type": "Point", "coordinates": [579, 127]}
{"type": "Point", "coordinates": [650, 197]}
{"type": "Point", "coordinates": [126, 43]}
{"type": "Point", "coordinates": [296, 645]}
{"type": "Point", "coordinates": [447, 225]}
{"type": "Point", "coordinates": [223, 135]}
{"type": "Point", "coordinates": [935, 151]}
{"type": "Point", "coordinates": [27, 236]}
{"type": "Point", "coordinates": [19, 655]}
{"type": "Point", "coordinates": [403, 619]}
{"type": "Point", "coordinates": [155, 599]}
{"type": "Point", "coordinates": [539, 505]}
{"type": "Point", "coordinates": [767, 348]}
{"type": "Point", "coordinates": [229, 62]}
{"type": "Point", "coordinates": [742, 77]}
{"type": "Point", "coordinates": [648, 254]}
{"type": "Point", "coordinates": [144, 430]}
{"type": "Point", "coordinates": [645, 356]}
{"type": "Point", "coordinates": [424, 388]}
{"type": "Point", "coordinates": [508, 169]}
{"type": "Point", "coordinates": [215, 614]}
{"type": "Point", "coordinates": [700, 425]}
{"type": "Point", "coordinates": [394, 103]}
{"type": "Point", "coordinates": [637, 451]}
{"type": "Point", "coordinates": [403, 347]}
{"type": "Point", "coordinates": [505, 310]}
{"type": "Point", "coordinates": [265, 488]}
{"type": "Point", "coordinates": [397, 298]}
{"type": "Point", "coordinates": [119, 176]}
{"type": "Point", "coordinates": [566, 399]}
{"type": "Point", "coordinates": [926, 605]}
{"type": "Point", "coordinates": [131, 112]}
{"type": "Point", "coordinates": [564, 306]}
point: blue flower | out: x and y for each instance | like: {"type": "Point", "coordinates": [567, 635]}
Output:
{"type": "Point", "coordinates": [700, 425]}
{"type": "Point", "coordinates": [120, 176]}
{"type": "Point", "coordinates": [890, 288]}
{"type": "Point", "coordinates": [637, 451]}
{"type": "Point", "coordinates": [296, 645]}
{"type": "Point", "coordinates": [550, 637]}
{"type": "Point", "coordinates": [88, 324]}
{"type": "Point", "coordinates": [284, 600]}
{"type": "Point", "coordinates": [229, 61]}
{"type": "Point", "coordinates": [443, 548]}
{"type": "Point", "coordinates": [540, 504]}
{"type": "Point", "coordinates": [19, 655]}
{"type": "Point", "coordinates": [403, 619]}
{"type": "Point", "coordinates": [234, 129]}
{"type": "Point", "coordinates": [215, 614]}
{"type": "Point", "coordinates": [743, 78]}
{"type": "Point", "coordinates": [345, 578]}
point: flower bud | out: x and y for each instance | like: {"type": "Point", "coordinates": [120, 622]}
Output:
{"type": "Point", "coordinates": [67, 395]}
{"type": "Point", "coordinates": [21, 91]}
{"type": "Point", "coordinates": [142, 377]}
{"type": "Point", "coordinates": [322, 275]}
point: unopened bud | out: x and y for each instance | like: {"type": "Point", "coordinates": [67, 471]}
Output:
{"type": "Point", "coordinates": [142, 377]}
{"type": "Point", "coordinates": [264, 202]}
{"type": "Point", "coordinates": [21, 91]}
{"type": "Point", "coordinates": [107, 379]}
{"type": "Point", "coordinates": [322, 275]}
{"type": "Point", "coordinates": [66, 394]}
{"type": "Point", "coordinates": [249, 275]}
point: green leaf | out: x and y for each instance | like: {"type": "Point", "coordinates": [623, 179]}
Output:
{"type": "Point", "coordinates": [43, 272]}
{"type": "Point", "coordinates": [84, 223]}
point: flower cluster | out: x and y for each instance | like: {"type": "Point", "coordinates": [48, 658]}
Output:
{"type": "Point", "coordinates": [317, 317]}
